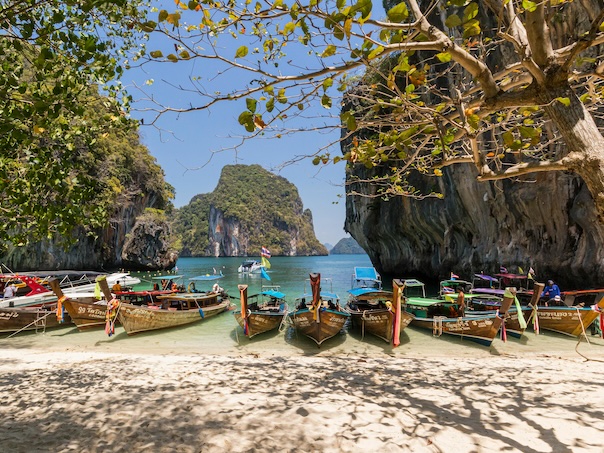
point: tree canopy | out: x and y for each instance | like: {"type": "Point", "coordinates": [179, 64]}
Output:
{"type": "Point", "coordinates": [512, 87]}
{"type": "Point", "coordinates": [56, 58]}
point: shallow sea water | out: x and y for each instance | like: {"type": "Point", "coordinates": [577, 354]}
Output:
{"type": "Point", "coordinates": [220, 335]}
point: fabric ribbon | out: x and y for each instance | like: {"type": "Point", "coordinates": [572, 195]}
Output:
{"type": "Point", "coordinates": [111, 316]}
{"type": "Point", "coordinates": [60, 302]}
{"type": "Point", "coordinates": [601, 319]}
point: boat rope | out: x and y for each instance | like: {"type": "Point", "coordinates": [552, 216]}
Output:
{"type": "Point", "coordinates": [535, 318]}
{"type": "Point", "coordinates": [582, 325]}
{"type": "Point", "coordinates": [437, 326]}
{"type": "Point", "coordinates": [32, 323]}
{"type": "Point", "coordinates": [284, 319]}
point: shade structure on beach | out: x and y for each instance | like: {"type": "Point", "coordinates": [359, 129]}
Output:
{"type": "Point", "coordinates": [207, 277]}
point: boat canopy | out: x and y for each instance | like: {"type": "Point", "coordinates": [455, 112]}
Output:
{"type": "Point", "coordinates": [273, 293]}
{"type": "Point", "coordinates": [367, 273]}
{"type": "Point", "coordinates": [412, 282]}
{"type": "Point", "coordinates": [167, 277]}
{"type": "Point", "coordinates": [423, 301]}
{"type": "Point", "coordinates": [356, 292]}
{"type": "Point", "coordinates": [485, 277]}
{"type": "Point", "coordinates": [324, 295]}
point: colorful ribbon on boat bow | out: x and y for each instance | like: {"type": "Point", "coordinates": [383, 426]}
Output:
{"type": "Point", "coordinates": [111, 316]}
{"type": "Point", "coordinates": [601, 319]}
{"type": "Point", "coordinates": [60, 302]}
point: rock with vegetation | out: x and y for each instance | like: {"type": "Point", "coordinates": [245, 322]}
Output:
{"type": "Point", "coordinates": [136, 234]}
{"type": "Point", "coordinates": [250, 208]}
{"type": "Point", "coordinates": [347, 246]}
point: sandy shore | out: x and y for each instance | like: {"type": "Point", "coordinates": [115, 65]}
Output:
{"type": "Point", "coordinates": [84, 400]}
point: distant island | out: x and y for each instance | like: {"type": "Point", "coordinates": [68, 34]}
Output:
{"type": "Point", "coordinates": [250, 208]}
{"type": "Point", "coordinates": [347, 246]}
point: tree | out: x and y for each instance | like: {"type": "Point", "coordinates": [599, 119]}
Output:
{"type": "Point", "coordinates": [512, 87]}
{"type": "Point", "coordinates": [55, 56]}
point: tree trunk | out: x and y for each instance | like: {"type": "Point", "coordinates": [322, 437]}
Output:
{"type": "Point", "coordinates": [585, 143]}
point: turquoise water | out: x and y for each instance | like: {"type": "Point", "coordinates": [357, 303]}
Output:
{"type": "Point", "coordinates": [290, 273]}
{"type": "Point", "coordinates": [221, 334]}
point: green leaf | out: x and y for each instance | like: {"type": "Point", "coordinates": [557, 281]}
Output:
{"type": "Point", "coordinates": [156, 54]}
{"type": "Point", "coordinates": [326, 101]}
{"type": "Point", "coordinates": [251, 104]}
{"type": "Point", "coordinates": [471, 28]}
{"type": "Point", "coordinates": [281, 98]}
{"type": "Point", "coordinates": [327, 83]}
{"type": "Point", "coordinates": [453, 21]}
{"type": "Point", "coordinates": [329, 51]}
{"type": "Point", "coordinates": [564, 101]}
{"type": "Point", "coordinates": [184, 55]}
{"type": "Point", "coordinates": [246, 119]}
{"type": "Point", "coordinates": [375, 53]}
{"type": "Point", "coordinates": [529, 6]}
{"type": "Point", "coordinates": [149, 26]}
{"type": "Point", "coordinates": [173, 58]}
{"type": "Point", "coordinates": [241, 52]}
{"type": "Point", "coordinates": [470, 11]}
{"type": "Point", "coordinates": [163, 15]}
{"type": "Point", "coordinates": [444, 57]}
{"type": "Point", "coordinates": [398, 13]}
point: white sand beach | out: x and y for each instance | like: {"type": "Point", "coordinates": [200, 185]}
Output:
{"type": "Point", "coordinates": [81, 397]}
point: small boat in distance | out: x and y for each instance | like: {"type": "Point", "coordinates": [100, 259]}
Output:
{"type": "Point", "coordinates": [318, 315]}
{"type": "Point", "coordinates": [250, 267]}
{"type": "Point", "coordinates": [261, 312]}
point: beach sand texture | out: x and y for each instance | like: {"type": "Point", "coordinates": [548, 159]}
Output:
{"type": "Point", "coordinates": [95, 396]}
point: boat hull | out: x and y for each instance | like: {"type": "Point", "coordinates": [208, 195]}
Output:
{"type": "Point", "coordinates": [260, 321]}
{"type": "Point", "coordinates": [479, 329]}
{"type": "Point", "coordinates": [87, 315]}
{"type": "Point", "coordinates": [137, 319]}
{"type": "Point", "coordinates": [566, 320]}
{"type": "Point", "coordinates": [378, 322]}
{"type": "Point", "coordinates": [512, 320]}
{"type": "Point", "coordinates": [328, 324]}
{"type": "Point", "coordinates": [31, 318]}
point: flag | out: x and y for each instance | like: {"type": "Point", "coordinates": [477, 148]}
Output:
{"type": "Point", "coordinates": [265, 253]}
{"type": "Point", "coordinates": [520, 271]}
{"type": "Point", "coordinates": [454, 276]}
{"type": "Point", "coordinates": [266, 263]}
{"type": "Point", "coordinates": [531, 274]}
{"type": "Point", "coordinates": [503, 270]}
{"type": "Point", "coordinates": [265, 274]}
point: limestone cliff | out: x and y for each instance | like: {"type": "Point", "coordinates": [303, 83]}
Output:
{"type": "Point", "coordinates": [546, 222]}
{"type": "Point", "coordinates": [250, 208]}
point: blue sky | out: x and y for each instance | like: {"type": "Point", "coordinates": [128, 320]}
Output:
{"type": "Point", "coordinates": [188, 146]}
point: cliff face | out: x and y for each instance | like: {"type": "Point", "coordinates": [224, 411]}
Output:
{"type": "Point", "coordinates": [132, 241]}
{"type": "Point", "coordinates": [250, 208]}
{"type": "Point", "coordinates": [546, 222]}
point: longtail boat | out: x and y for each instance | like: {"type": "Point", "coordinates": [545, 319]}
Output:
{"type": "Point", "coordinates": [261, 312]}
{"type": "Point", "coordinates": [484, 304]}
{"type": "Point", "coordinates": [318, 315]}
{"type": "Point", "coordinates": [173, 310]}
{"type": "Point", "coordinates": [374, 310]}
{"type": "Point", "coordinates": [86, 310]}
{"type": "Point", "coordinates": [32, 318]}
{"type": "Point", "coordinates": [568, 320]}
{"type": "Point", "coordinates": [443, 317]}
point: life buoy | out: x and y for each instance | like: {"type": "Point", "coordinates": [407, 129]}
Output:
{"type": "Point", "coordinates": [191, 287]}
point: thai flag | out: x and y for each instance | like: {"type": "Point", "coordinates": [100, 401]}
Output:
{"type": "Point", "coordinates": [454, 276]}
{"type": "Point", "coordinates": [503, 270]}
{"type": "Point", "coordinates": [265, 252]}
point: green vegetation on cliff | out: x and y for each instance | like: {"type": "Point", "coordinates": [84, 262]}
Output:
{"type": "Point", "coordinates": [264, 210]}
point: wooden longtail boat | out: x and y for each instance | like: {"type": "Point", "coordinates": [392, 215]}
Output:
{"type": "Point", "coordinates": [261, 312]}
{"type": "Point", "coordinates": [32, 318]}
{"type": "Point", "coordinates": [514, 320]}
{"type": "Point", "coordinates": [374, 310]}
{"type": "Point", "coordinates": [85, 309]}
{"type": "Point", "coordinates": [573, 320]}
{"type": "Point", "coordinates": [175, 309]}
{"type": "Point", "coordinates": [443, 317]}
{"type": "Point", "coordinates": [322, 317]}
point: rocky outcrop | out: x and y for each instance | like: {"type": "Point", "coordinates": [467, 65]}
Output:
{"type": "Point", "coordinates": [547, 222]}
{"type": "Point", "coordinates": [250, 208]}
